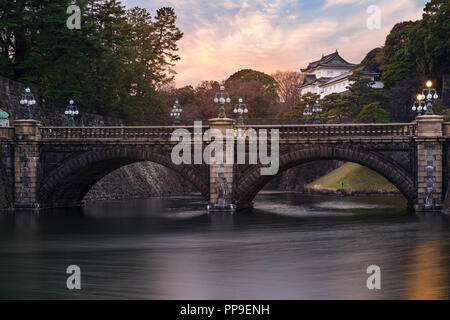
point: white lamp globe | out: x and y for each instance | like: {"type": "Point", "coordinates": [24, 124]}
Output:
{"type": "Point", "coordinates": [419, 108]}
{"type": "Point", "coordinates": [228, 100]}
{"type": "Point", "coordinates": [435, 96]}
{"type": "Point", "coordinates": [245, 110]}
{"type": "Point", "coordinates": [216, 100]}
{"type": "Point", "coordinates": [235, 110]}
{"type": "Point", "coordinates": [240, 100]}
{"type": "Point", "coordinates": [429, 96]}
{"type": "Point", "coordinates": [414, 108]}
{"type": "Point", "coordinates": [222, 100]}
{"type": "Point", "coordinates": [27, 90]}
{"type": "Point", "coordinates": [222, 88]}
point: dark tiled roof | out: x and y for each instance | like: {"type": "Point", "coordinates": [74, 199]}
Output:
{"type": "Point", "coordinates": [311, 79]}
{"type": "Point", "coordinates": [333, 59]}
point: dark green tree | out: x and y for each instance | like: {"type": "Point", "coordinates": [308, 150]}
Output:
{"type": "Point", "coordinates": [372, 113]}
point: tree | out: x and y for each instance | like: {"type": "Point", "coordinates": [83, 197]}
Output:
{"type": "Point", "coordinates": [430, 43]}
{"type": "Point", "coordinates": [246, 75]}
{"type": "Point", "coordinates": [374, 60]}
{"type": "Point", "coordinates": [259, 91]}
{"type": "Point", "coordinates": [400, 61]}
{"type": "Point", "coordinates": [308, 99]}
{"type": "Point", "coordinates": [335, 107]}
{"type": "Point", "coordinates": [287, 82]}
{"type": "Point", "coordinates": [114, 63]}
{"type": "Point", "coordinates": [372, 113]}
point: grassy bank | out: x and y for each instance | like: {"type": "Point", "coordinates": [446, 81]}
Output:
{"type": "Point", "coordinates": [351, 178]}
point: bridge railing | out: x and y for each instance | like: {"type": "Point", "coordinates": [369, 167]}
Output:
{"type": "Point", "coordinates": [6, 133]}
{"type": "Point", "coordinates": [126, 133]}
{"type": "Point", "coordinates": [339, 130]}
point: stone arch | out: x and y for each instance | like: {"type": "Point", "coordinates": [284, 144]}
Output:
{"type": "Point", "coordinates": [251, 182]}
{"type": "Point", "coordinates": [68, 183]}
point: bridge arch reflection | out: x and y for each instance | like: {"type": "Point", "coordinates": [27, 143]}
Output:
{"type": "Point", "coordinates": [251, 181]}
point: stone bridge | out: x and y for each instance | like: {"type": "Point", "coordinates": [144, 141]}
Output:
{"type": "Point", "coordinates": [56, 166]}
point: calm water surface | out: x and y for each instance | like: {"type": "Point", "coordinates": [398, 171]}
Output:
{"type": "Point", "coordinates": [289, 247]}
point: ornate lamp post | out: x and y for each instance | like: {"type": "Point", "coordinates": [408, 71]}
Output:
{"type": "Point", "coordinates": [176, 113]}
{"type": "Point", "coordinates": [430, 95]}
{"type": "Point", "coordinates": [317, 108]}
{"type": "Point", "coordinates": [307, 112]}
{"type": "Point", "coordinates": [240, 109]}
{"type": "Point", "coordinates": [28, 101]}
{"type": "Point", "coordinates": [71, 112]}
{"type": "Point", "coordinates": [419, 105]}
{"type": "Point", "coordinates": [221, 98]}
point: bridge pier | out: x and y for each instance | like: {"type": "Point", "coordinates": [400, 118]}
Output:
{"type": "Point", "coordinates": [430, 142]}
{"type": "Point", "coordinates": [221, 174]}
{"type": "Point", "coordinates": [26, 159]}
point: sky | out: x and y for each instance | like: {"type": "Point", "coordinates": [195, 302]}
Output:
{"type": "Point", "coordinates": [225, 36]}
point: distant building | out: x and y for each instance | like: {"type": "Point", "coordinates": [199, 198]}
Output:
{"type": "Point", "coordinates": [4, 118]}
{"type": "Point", "coordinates": [330, 75]}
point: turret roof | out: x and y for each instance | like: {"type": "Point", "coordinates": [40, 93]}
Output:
{"type": "Point", "coordinates": [3, 114]}
{"type": "Point", "coordinates": [330, 60]}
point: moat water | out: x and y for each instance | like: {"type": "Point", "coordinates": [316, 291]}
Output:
{"type": "Point", "coordinates": [289, 247]}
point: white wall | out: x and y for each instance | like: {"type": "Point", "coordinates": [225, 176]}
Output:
{"type": "Point", "coordinates": [329, 72]}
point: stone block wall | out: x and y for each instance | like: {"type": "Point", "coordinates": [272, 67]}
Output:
{"type": "Point", "coordinates": [6, 176]}
{"type": "Point", "coordinates": [429, 174]}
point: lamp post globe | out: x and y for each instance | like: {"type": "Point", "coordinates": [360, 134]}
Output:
{"type": "Point", "coordinates": [71, 112]}
{"type": "Point", "coordinates": [176, 112]}
{"type": "Point", "coordinates": [240, 109]}
{"type": "Point", "coordinates": [221, 98]}
{"type": "Point", "coordinates": [27, 100]}
{"type": "Point", "coordinates": [317, 109]}
{"type": "Point", "coordinates": [429, 96]}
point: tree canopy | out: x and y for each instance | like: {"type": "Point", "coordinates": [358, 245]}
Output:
{"type": "Point", "coordinates": [114, 63]}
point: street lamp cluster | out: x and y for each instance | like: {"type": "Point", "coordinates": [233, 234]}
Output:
{"type": "Point", "coordinates": [71, 112]}
{"type": "Point", "coordinates": [176, 112]}
{"type": "Point", "coordinates": [317, 109]}
{"type": "Point", "coordinates": [424, 101]}
{"type": "Point", "coordinates": [221, 98]}
{"type": "Point", "coordinates": [27, 100]}
{"type": "Point", "coordinates": [240, 109]}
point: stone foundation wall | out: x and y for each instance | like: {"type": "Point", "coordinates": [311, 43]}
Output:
{"type": "Point", "coordinates": [140, 180]}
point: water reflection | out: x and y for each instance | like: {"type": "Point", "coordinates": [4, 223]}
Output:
{"type": "Point", "coordinates": [288, 247]}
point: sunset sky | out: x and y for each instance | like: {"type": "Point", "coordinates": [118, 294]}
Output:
{"type": "Point", "coordinates": [224, 36]}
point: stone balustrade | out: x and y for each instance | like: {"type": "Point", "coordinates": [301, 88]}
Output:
{"type": "Point", "coordinates": [7, 133]}
{"type": "Point", "coordinates": [125, 133]}
{"type": "Point", "coordinates": [339, 130]}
